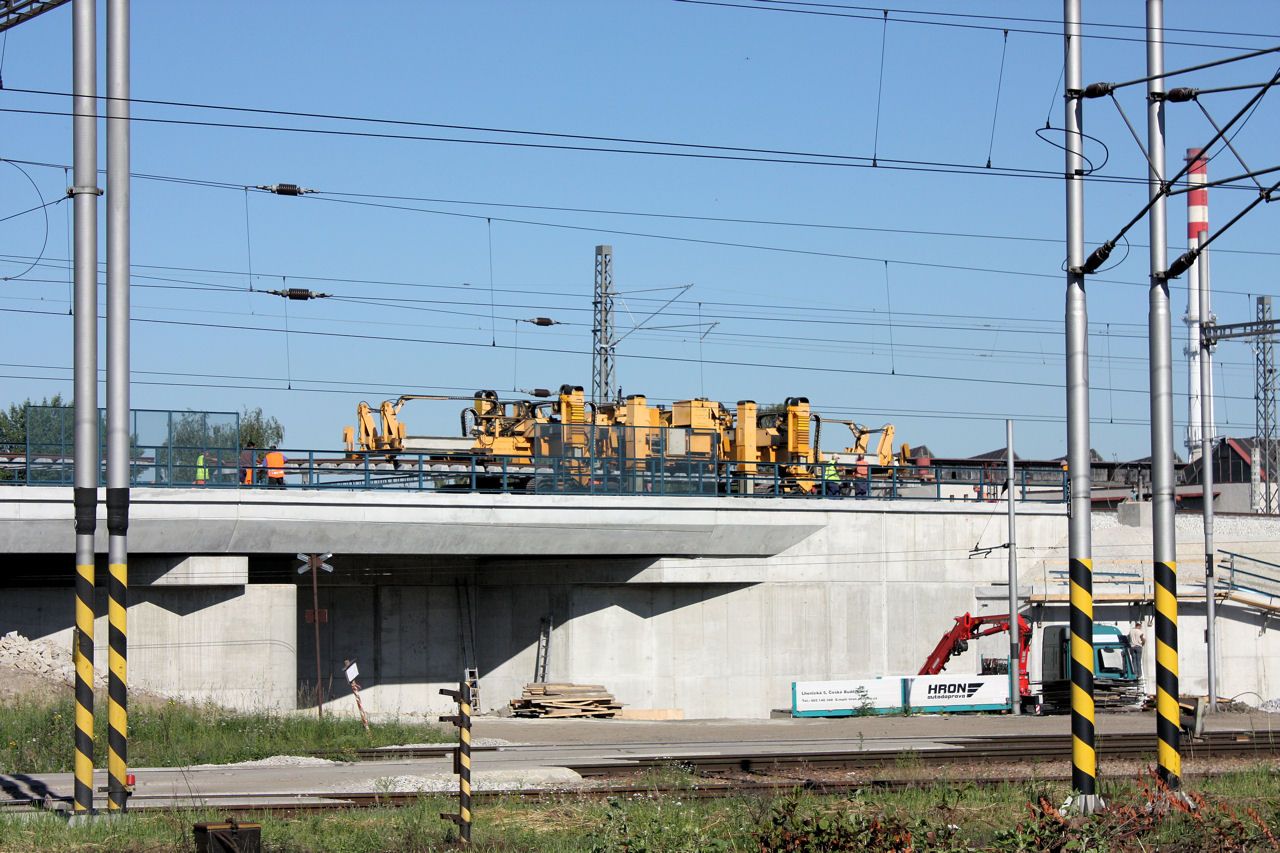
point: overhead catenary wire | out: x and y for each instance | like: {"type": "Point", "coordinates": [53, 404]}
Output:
{"type": "Point", "coordinates": [827, 13]}
{"type": "Point", "coordinates": [995, 110]}
{"type": "Point", "coordinates": [983, 321]}
{"type": "Point", "coordinates": [355, 388]}
{"type": "Point", "coordinates": [1052, 21]}
{"type": "Point", "coordinates": [884, 38]}
{"type": "Point", "coordinates": [44, 208]}
{"type": "Point", "coordinates": [875, 229]}
{"type": "Point", "coordinates": [813, 369]}
{"type": "Point", "coordinates": [657, 148]}
{"type": "Point", "coordinates": [1100, 254]}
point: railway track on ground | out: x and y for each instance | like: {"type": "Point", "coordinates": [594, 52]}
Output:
{"type": "Point", "coordinates": [741, 771]}
{"type": "Point", "coordinates": [850, 753]}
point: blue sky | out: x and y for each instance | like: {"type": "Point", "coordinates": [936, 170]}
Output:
{"type": "Point", "coordinates": [872, 341]}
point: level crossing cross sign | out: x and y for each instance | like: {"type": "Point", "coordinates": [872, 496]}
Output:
{"type": "Point", "coordinates": [319, 562]}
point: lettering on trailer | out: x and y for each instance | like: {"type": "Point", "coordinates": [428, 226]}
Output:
{"type": "Point", "coordinates": [948, 691]}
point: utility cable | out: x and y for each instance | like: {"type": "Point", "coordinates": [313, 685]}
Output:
{"type": "Point", "coordinates": [248, 248]}
{"type": "Point", "coordinates": [1100, 254]}
{"type": "Point", "coordinates": [637, 356]}
{"type": "Point", "coordinates": [288, 356]}
{"type": "Point", "coordinates": [352, 387]}
{"type": "Point", "coordinates": [50, 203]}
{"type": "Point", "coordinates": [1053, 99]}
{"type": "Point", "coordinates": [884, 38]}
{"type": "Point", "coordinates": [1111, 397]}
{"type": "Point", "coordinates": [1190, 68]}
{"type": "Point", "coordinates": [66, 175]}
{"type": "Point", "coordinates": [944, 24]}
{"type": "Point", "coordinates": [828, 160]}
{"type": "Point", "coordinates": [1052, 21]}
{"type": "Point", "coordinates": [983, 322]}
{"type": "Point", "coordinates": [44, 242]}
{"type": "Point", "coordinates": [493, 332]}
{"type": "Point", "coordinates": [888, 301]}
{"type": "Point", "coordinates": [1228, 140]}
{"type": "Point", "coordinates": [995, 112]}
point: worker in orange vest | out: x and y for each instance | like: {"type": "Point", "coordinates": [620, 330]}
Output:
{"type": "Point", "coordinates": [861, 472]}
{"type": "Point", "coordinates": [274, 463]}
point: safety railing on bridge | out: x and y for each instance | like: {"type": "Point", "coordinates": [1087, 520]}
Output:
{"type": "Point", "coordinates": [1260, 587]}
{"type": "Point", "coordinates": [199, 467]}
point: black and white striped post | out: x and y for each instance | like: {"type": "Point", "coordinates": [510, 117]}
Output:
{"type": "Point", "coordinates": [462, 758]}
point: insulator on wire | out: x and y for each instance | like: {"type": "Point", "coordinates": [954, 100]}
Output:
{"type": "Point", "coordinates": [298, 293]}
{"type": "Point", "coordinates": [284, 189]}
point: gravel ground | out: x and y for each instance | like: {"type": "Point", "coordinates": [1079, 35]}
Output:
{"type": "Point", "coordinates": [279, 761]}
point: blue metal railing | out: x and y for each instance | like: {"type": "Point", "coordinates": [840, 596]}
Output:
{"type": "Point", "coordinates": [601, 475]}
{"type": "Point", "coordinates": [1238, 579]}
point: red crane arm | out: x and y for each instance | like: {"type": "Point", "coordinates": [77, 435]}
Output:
{"type": "Point", "coordinates": [970, 627]}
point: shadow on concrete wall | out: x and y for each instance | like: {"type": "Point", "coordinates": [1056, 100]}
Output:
{"type": "Point", "coordinates": [426, 623]}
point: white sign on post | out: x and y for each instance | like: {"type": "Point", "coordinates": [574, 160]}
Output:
{"type": "Point", "coordinates": [353, 672]}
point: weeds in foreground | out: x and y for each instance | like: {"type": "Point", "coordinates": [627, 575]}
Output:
{"type": "Point", "coordinates": [36, 737]}
{"type": "Point", "coordinates": [1241, 813]}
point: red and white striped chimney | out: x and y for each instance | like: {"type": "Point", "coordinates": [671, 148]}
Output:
{"type": "Point", "coordinates": [1197, 221]}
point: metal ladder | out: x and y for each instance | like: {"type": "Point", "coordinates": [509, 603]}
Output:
{"type": "Point", "coordinates": [544, 651]}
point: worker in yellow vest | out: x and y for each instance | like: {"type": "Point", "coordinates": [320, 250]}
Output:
{"type": "Point", "coordinates": [274, 463]}
{"type": "Point", "coordinates": [830, 479]}
{"type": "Point", "coordinates": [202, 470]}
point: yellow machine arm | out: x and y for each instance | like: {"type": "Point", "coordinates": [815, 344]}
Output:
{"type": "Point", "coordinates": [884, 449]}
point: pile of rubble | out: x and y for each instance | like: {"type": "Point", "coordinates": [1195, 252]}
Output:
{"type": "Point", "coordinates": [39, 658]}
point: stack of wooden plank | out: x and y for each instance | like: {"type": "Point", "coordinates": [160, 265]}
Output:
{"type": "Point", "coordinates": [551, 699]}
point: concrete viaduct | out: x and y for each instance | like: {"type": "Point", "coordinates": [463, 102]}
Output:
{"type": "Point", "coordinates": [712, 605]}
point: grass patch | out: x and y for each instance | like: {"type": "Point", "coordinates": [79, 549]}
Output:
{"type": "Point", "coordinates": [36, 737]}
{"type": "Point", "coordinates": [1237, 812]}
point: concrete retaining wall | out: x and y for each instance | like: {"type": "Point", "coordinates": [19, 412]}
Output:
{"type": "Point", "coordinates": [870, 593]}
{"type": "Point", "coordinates": [230, 645]}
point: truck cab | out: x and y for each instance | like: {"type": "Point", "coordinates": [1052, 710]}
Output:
{"type": "Point", "coordinates": [1117, 677]}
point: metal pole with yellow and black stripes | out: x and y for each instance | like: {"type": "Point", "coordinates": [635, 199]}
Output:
{"type": "Point", "coordinates": [1160, 354]}
{"type": "Point", "coordinates": [86, 502]}
{"type": "Point", "coordinates": [84, 191]}
{"type": "Point", "coordinates": [117, 656]}
{"type": "Point", "coordinates": [119, 432]}
{"type": "Point", "coordinates": [462, 758]}
{"type": "Point", "coordinates": [1079, 463]}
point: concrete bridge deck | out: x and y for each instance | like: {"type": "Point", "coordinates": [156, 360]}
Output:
{"type": "Point", "coordinates": [38, 520]}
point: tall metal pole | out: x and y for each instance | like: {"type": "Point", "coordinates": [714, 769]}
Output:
{"type": "Point", "coordinates": [1206, 480]}
{"type": "Point", "coordinates": [118, 439]}
{"type": "Point", "coordinates": [314, 560]}
{"type": "Point", "coordinates": [1084, 759]}
{"type": "Point", "coordinates": [1015, 636]}
{"type": "Point", "coordinates": [1160, 354]}
{"type": "Point", "coordinates": [85, 194]}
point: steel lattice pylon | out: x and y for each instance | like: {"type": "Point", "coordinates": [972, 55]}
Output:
{"type": "Point", "coordinates": [1265, 417]}
{"type": "Point", "coordinates": [602, 339]}
{"type": "Point", "coordinates": [14, 12]}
